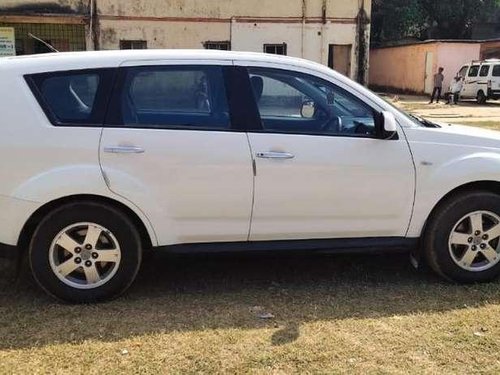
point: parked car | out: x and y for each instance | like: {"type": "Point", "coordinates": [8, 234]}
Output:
{"type": "Point", "coordinates": [481, 80]}
{"type": "Point", "coordinates": [106, 154]}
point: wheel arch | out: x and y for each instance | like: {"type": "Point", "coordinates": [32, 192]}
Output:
{"type": "Point", "coordinates": [35, 218]}
{"type": "Point", "coordinates": [483, 98]}
{"type": "Point", "coordinates": [486, 185]}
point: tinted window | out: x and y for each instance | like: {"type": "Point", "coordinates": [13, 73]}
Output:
{"type": "Point", "coordinates": [485, 69]}
{"type": "Point", "coordinates": [224, 46]}
{"type": "Point", "coordinates": [275, 49]}
{"type": "Point", "coordinates": [297, 103]}
{"type": "Point", "coordinates": [473, 71]}
{"type": "Point", "coordinates": [496, 71]}
{"type": "Point", "coordinates": [133, 44]}
{"type": "Point", "coordinates": [174, 96]}
{"type": "Point", "coordinates": [72, 97]}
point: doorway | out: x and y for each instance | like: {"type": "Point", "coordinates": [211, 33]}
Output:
{"type": "Point", "coordinates": [339, 58]}
{"type": "Point", "coordinates": [429, 76]}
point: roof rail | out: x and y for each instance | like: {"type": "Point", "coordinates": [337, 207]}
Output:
{"type": "Point", "coordinates": [485, 60]}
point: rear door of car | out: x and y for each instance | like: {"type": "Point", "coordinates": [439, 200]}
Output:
{"type": "Point", "coordinates": [169, 147]}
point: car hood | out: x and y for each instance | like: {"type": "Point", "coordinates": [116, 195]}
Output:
{"type": "Point", "coordinates": [457, 135]}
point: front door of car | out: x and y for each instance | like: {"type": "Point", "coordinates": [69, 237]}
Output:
{"type": "Point", "coordinates": [322, 170]}
{"type": "Point", "coordinates": [168, 148]}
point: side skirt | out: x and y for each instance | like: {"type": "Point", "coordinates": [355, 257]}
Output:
{"type": "Point", "coordinates": [337, 245]}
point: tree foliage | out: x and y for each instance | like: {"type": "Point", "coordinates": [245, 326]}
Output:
{"type": "Point", "coordinates": [423, 19]}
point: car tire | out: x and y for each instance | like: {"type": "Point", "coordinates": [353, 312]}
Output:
{"type": "Point", "coordinates": [481, 97]}
{"type": "Point", "coordinates": [458, 231]}
{"type": "Point", "coordinates": [85, 252]}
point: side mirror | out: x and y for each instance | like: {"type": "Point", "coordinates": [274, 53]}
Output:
{"type": "Point", "coordinates": [307, 110]}
{"type": "Point", "coordinates": [389, 125]}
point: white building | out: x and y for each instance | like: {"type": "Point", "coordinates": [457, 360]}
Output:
{"type": "Point", "coordinates": [333, 32]}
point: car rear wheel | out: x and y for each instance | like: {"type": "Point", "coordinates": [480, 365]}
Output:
{"type": "Point", "coordinates": [462, 241]}
{"type": "Point", "coordinates": [85, 252]}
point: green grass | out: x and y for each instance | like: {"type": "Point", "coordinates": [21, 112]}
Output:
{"type": "Point", "coordinates": [332, 314]}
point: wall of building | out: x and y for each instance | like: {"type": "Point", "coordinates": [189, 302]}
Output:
{"type": "Point", "coordinates": [227, 9]}
{"type": "Point", "coordinates": [161, 35]}
{"type": "Point", "coordinates": [307, 27]}
{"type": "Point", "coordinates": [452, 56]}
{"type": "Point", "coordinates": [403, 68]}
{"type": "Point", "coordinates": [490, 50]}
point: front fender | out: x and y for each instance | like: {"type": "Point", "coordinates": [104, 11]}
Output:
{"type": "Point", "coordinates": [435, 179]}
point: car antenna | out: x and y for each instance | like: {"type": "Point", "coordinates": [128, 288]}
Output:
{"type": "Point", "coordinates": [43, 41]}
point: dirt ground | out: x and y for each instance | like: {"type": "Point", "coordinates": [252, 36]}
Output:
{"type": "Point", "coordinates": [466, 112]}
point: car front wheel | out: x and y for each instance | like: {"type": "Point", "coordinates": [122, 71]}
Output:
{"type": "Point", "coordinates": [462, 241]}
{"type": "Point", "coordinates": [481, 97]}
{"type": "Point", "coordinates": [85, 252]}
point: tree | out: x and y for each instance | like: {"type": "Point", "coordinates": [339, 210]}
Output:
{"type": "Point", "coordinates": [396, 19]}
{"type": "Point", "coordinates": [423, 19]}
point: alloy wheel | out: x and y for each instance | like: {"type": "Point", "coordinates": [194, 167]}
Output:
{"type": "Point", "coordinates": [85, 255]}
{"type": "Point", "coordinates": [474, 242]}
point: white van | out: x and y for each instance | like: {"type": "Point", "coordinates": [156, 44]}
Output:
{"type": "Point", "coordinates": [481, 80]}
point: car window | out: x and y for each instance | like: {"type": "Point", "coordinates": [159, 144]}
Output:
{"type": "Point", "coordinates": [496, 71]}
{"type": "Point", "coordinates": [463, 71]}
{"type": "Point", "coordinates": [483, 72]}
{"type": "Point", "coordinates": [293, 102]}
{"type": "Point", "coordinates": [191, 97]}
{"type": "Point", "coordinates": [70, 97]}
{"type": "Point", "coordinates": [473, 71]}
{"type": "Point", "coordinates": [75, 97]}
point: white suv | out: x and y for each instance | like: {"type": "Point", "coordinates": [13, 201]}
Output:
{"type": "Point", "coordinates": [106, 154]}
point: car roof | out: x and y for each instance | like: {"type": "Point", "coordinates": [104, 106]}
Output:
{"type": "Point", "coordinates": [94, 59]}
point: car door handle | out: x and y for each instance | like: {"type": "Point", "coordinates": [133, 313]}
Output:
{"type": "Point", "coordinates": [275, 155]}
{"type": "Point", "coordinates": [124, 149]}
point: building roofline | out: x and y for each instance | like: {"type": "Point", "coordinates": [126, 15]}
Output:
{"type": "Point", "coordinates": [395, 44]}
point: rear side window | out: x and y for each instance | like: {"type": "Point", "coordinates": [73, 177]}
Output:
{"type": "Point", "coordinates": [473, 71]}
{"type": "Point", "coordinates": [74, 97]}
{"type": "Point", "coordinates": [496, 71]}
{"type": "Point", "coordinates": [485, 69]}
{"type": "Point", "coordinates": [191, 97]}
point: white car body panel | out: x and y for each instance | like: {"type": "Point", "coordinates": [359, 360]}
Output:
{"type": "Point", "coordinates": [334, 186]}
{"type": "Point", "coordinates": [447, 158]}
{"type": "Point", "coordinates": [194, 186]}
{"type": "Point", "coordinates": [200, 185]}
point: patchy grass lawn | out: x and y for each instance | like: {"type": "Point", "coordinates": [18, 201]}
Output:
{"type": "Point", "coordinates": [493, 125]}
{"type": "Point", "coordinates": [332, 314]}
